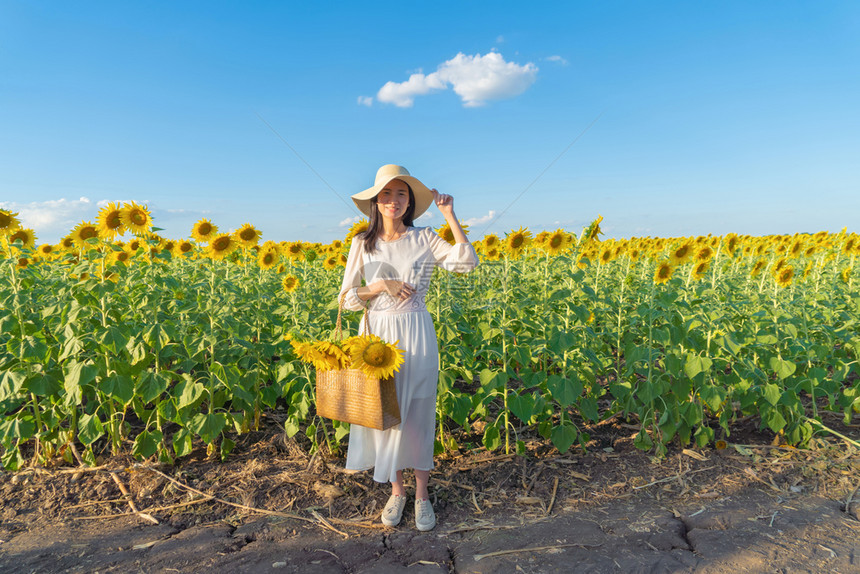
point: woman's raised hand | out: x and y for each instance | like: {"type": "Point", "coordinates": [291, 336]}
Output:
{"type": "Point", "coordinates": [444, 202]}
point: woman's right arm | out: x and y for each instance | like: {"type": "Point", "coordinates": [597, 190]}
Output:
{"type": "Point", "coordinates": [357, 295]}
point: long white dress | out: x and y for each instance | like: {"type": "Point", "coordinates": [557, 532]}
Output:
{"type": "Point", "coordinates": [410, 258]}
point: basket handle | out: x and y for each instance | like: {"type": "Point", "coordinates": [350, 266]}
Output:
{"type": "Point", "coordinates": [338, 332]}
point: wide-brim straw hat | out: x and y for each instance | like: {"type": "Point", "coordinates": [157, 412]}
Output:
{"type": "Point", "coordinates": [384, 176]}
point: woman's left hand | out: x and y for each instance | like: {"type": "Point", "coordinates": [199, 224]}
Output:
{"type": "Point", "coordinates": [444, 202]}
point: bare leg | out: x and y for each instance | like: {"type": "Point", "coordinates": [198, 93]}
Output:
{"type": "Point", "coordinates": [422, 477]}
{"type": "Point", "coordinates": [397, 487]}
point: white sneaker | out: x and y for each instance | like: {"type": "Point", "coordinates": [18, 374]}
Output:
{"type": "Point", "coordinates": [393, 511]}
{"type": "Point", "coordinates": [425, 518]}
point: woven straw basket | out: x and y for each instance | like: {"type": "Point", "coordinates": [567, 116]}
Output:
{"type": "Point", "coordinates": [351, 396]}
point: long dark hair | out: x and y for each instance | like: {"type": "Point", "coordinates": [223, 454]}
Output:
{"type": "Point", "coordinates": [374, 227]}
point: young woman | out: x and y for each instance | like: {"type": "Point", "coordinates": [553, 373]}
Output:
{"type": "Point", "coordinates": [388, 272]}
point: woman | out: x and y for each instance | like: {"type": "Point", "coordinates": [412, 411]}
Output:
{"type": "Point", "coordinates": [396, 260]}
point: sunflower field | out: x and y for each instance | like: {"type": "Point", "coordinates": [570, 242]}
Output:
{"type": "Point", "coordinates": [120, 340]}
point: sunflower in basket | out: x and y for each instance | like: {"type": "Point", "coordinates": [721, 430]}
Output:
{"type": "Point", "coordinates": [374, 356]}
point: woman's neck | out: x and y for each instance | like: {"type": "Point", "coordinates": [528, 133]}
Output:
{"type": "Point", "coordinates": [392, 227]}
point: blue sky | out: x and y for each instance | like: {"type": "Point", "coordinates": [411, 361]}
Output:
{"type": "Point", "coordinates": [711, 117]}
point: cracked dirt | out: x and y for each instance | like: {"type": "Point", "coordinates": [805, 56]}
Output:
{"type": "Point", "coordinates": [754, 508]}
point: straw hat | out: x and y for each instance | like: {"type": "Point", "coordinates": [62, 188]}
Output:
{"type": "Point", "coordinates": [386, 173]}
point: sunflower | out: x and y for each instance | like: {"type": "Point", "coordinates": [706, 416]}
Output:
{"type": "Point", "coordinates": [337, 244]}
{"type": "Point", "coordinates": [307, 352]}
{"type": "Point", "coordinates": [83, 232]}
{"type": "Point", "coordinates": [110, 221]}
{"type": "Point", "coordinates": [221, 246]}
{"type": "Point", "coordinates": [331, 357]}
{"type": "Point", "coordinates": [757, 268]}
{"type": "Point", "coordinates": [247, 235]}
{"type": "Point", "coordinates": [784, 276]}
{"type": "Point", "coordinates": [359, 226]}
{"type": "Point", "coordinates": [848, 246]}
{"type": "Point", "coordinates": [492, 254]}
{"type": "Point", "coordinates": [290, 283]}
{"type": "Point", "coordinates": [118, 257]}
{"type": "Point", "coordinates": [634, 254]}
{"type": "Point", "coordinates": [491, 240]}
{"type": "Point", "coordinates": [22, 262]}
{"type": "Point", "coordinates": [47, 251]}
{"type": "Point", "coordinates": [8, 222]}
{"type": "Point", "coordinates": [168, 246]}
{"type": "Point", "coordinates": [67, 242]}
{"type": "Point", "coordinates": [554, 242]}
{"type": "Point", "coordinates": [663, 272]}
{"type": "Point", "coordinates": [203, 231]}
{"type": "Point", "coordinates": [782, 262]}
{"type": "Point", "coordinates": [26, 236]}
{"type": "Point", "coordinates": [845, 275]}
{"type": "Point", "coordinates": [267, 258]}
{"type": "Point", "coordinates": [341, 260]}
{"type": "Point", "coordinates": [704, 253]}
{"type": "Point", "coordinates": [445, 233]}
{"type": "Point", "coordinates": [184, 247]}
{"type": "Point", "coordinates": [330, 262]}
{"type": "Point", "coordinates": [294, 249]}
{"type": "Point", "coordinates": [700, 269]}
{"type": "Point", "coordinates": [376, 358]}
{"type": "Point", "coordinates": [681, 254]}
{"type": "Point", "coordinates": [136, 218]}
{"type": "Point", "coordinates": [133, 245]}
{"type": "Point", "coordinates": [606, 255]}
{"type": "Point", "coordinates": [593, 232]}
{"type": "Point", "coordinates": [517, 241]}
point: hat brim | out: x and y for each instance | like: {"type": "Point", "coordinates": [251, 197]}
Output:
{"type": "Point", "coordinates": [423, 195]}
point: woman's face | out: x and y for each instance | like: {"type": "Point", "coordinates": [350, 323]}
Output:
{"type": "Point", "coordinates": [393, 200]}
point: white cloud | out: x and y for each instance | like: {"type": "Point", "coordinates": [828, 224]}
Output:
{"type": "Point", "coordinates": [52, 216]}
{"type": "Point", "coordinates": [479, 220]}
{"type": "Point", "coordinates": [500, 39]}
{"type": "Point", "coordinates": [348, 221]}
{"type": "Point", "coordinates": [476, 79]}
{"type": "Point", "coordinates": [402, 95]}
{"type": "Point", "coordinates": [365, 101]}
{"type": "Point", "coordinates": [557, 58]}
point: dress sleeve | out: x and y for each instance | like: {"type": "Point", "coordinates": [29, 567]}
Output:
{"type": "Point", "coordinates": [460, 257]}
{"type": "Point", "coordinates": [352, 276]}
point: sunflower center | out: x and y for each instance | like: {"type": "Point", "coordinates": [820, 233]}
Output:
{"type": "Point", "coordinates": [204, 229]}
{"type": "Point", "coordinates": [22, 235]}
{"type": "Point", "coordinates": [88, 232]}
{"type": "Point", "coordinates": [5, 220]}
{"type": "Point", "coordinates": [138, 217]}
{"type": "Point", "coordinates": [375, 354]}
{"type": "Point", "coordinates": [247, 234]}
{"type": "Point", "coordinates": [221, 244]}
{"type": "Point", "coordinates": [113, 220]}
{"type": "Point", "coordinates": [555, 241]}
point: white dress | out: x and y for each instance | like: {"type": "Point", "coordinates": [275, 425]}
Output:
{"type": "Point", "coordinates": [410, 258]}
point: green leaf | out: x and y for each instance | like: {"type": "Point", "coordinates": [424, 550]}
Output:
{"type": "Point", "coordinates": [17, 429]}
{"type": "Point", "coordinates": [782, 368]}
{"type": "Point", "coordinates": [713, 396]}
{"type": "Point", "coordinates": [182, 442]}
{"type": "Point", "coordinates": [187, 392]}
{"type": "Point", "coordinates": [11, 384]}
{"type": "Point", "coordinates": [44, 386]}
{"type": "Point", "coordinates": [563, 436]}
{"type": "Point", "coordinates": [90, 429]}
{"type": "Point", "coordinates": [696, 364]}
{"type": "Point", "coordinates": [150, 386]}
{"type": "Point", "coordinates": [208, 426]}
{"type": "Point", "coordinates": [492, 438]}
{"type": "Point", "coordinates": [76, 376]}
{"type": "Point", "coordinates": [112, 338]}
{"type": "Point", "coordinates": [773, 419]}
{"type": "Point", "coordinates": [492, 379]}
{"type": "Point", "coordinates": [643, 440]}
{"type": "Point", "coordinates": [588, 409]}
{"type": "Point", "coordinates": [12, 459]}
{"type": "Point", "coordinates": [146, 444]}
{"type": "Point", "coordinates": [564, 390]}
{"type": "Point", "coordinates": [118, 387]}
{"type": "Point", "coordinates": [522, 406]}
{"type": "Point", "coordinates": [227, 446]}
{"type": "Point", "coordinates": [772, 393]}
